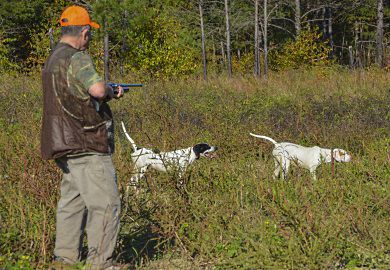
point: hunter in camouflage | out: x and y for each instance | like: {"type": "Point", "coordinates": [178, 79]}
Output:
{"type": "Point", "coordinates": [77, 132]}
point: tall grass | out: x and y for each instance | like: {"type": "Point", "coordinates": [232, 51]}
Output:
{"type": "Point", "coordinates": [230, 214]}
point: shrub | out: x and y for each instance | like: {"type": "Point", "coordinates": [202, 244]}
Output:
{"type": "Point", "coordinates": [5, 63]}
{"type": "Point", "coordinates": [307, 50]}
{"type": "Point", "coordinates": [154, 50]}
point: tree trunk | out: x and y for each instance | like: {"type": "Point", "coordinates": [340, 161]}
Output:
{"type": "Point", "coordinates": [297, 17]}
{"type": "Point", "coordinates": [356, 55]}
{"type": "Point", "coordinates": [203, 40]}
{"type": "Point", "coordinates": [342, 46]}
{"type": "Point", "coordinates": [228, 51]}
{"type": "Point", "coordinates": [257, 58]}
{"type": "Point", "coordinates": [214, 49]}
{"type": "Point", "coordinates": [123, 47]}
{"type": "Point", "coordinates": [360, 53]}
{"type": "Point", "coordinates": [379, 35]}
{"type": "Point", "coordinates": [51, 37]}
{"type": "Point", "coordinates": [330, 32]}
{"type": "Point", "coordinates": [350, 53]}
{"type": "Point", "coordinates": [265, 37]}
{"type": "Point", "coordinates": [223, 53]}
{"type": "Point", "coordinates": [324, 23]}
{"type": "Point", "coordinates": [106, 54]}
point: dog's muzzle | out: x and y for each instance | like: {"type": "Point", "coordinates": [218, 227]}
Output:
{"type": "Point", "coordinates": [211, 153]}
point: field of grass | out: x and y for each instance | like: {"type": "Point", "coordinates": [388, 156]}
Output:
{"type": "Point", "coordinates": [230, 214]}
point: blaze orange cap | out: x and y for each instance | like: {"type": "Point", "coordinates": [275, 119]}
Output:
{"type": "Point", "coordinates": [76, 15]}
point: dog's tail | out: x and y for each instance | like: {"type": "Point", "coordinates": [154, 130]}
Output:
{"type": "Point", "coordinates": [264, 137]}
{"type": "Point", "coordinates": [133, 145]}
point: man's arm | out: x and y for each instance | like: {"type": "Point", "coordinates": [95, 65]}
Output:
{"type": "Point", "coordinates": [83, 70]}
{"type": "Point", "coordinates": [101, 91]}
{"type": "Point", "coordinates": [98, 90]}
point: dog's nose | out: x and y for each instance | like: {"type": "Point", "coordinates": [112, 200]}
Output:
{"type": "Point", "coordinates": [216, 147]}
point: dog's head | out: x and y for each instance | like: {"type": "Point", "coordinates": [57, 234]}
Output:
{"type": "Point", "coordinates": [203, 149]}
{"type": "Point", "coordinates": [340, 155]}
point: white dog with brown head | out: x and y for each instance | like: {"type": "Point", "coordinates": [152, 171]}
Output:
{"type": "Point", "coordinates": [310, 158]}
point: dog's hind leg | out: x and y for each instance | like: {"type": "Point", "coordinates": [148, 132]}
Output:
{"type": "Point", "coordinates": [277, 168]}
{"type": "Point", "coordinates": [285, 166]}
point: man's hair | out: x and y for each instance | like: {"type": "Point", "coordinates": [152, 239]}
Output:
{"type": "Point", "coordinates": [73, 30]}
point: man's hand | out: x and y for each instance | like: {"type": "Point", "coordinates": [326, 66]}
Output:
{"type": "Point", "coordinates": [118, 92]}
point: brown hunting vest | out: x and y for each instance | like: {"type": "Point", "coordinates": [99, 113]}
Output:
{"type": "Point", "coordinates": [70, 125]}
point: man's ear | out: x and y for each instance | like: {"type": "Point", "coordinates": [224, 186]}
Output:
{"type": "Point", "coordinates": [85, 32]}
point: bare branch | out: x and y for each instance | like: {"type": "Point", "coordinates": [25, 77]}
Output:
{"type": "Point", "coordinates": [272, 10]}
{"type": "Point", "coordinates": [284, 19]}
{"type": "Point", "coordinates": [279, 27]}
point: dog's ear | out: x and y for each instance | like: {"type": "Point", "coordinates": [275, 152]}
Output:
{"type": "Point", "coordinates": [195, 149]}
{"type": "Point", "coordinates": [341, 155]}
{"type": "Point", "coordinates": [200, 148]}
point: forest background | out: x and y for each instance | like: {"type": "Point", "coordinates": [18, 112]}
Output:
{"type": "Point", "coordinates": [162, 39]}
{"type": "Point", "coordinates": [309, 72]}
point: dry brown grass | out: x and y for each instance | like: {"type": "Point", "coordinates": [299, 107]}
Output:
{"type": "Point", "coordinates": [231, 215]}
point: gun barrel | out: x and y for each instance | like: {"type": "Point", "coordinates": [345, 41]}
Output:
{"type": "Point", "coordinates": [131, 85]}
{"type": "Point", "coordinates": [125, 85]}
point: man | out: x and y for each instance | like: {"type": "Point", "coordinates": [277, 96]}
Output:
{"type": "Point", "coordinates": [77, 132]}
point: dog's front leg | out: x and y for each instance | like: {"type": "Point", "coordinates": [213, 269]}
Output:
{"type": "Point", "coordinates": [180, 174]}
{"type": "Point", "coordinates": [313, 172]}
{"type": "Point", "coordinates": [134, 180]}
{"type": "Point", "coordinates": [133, 183]}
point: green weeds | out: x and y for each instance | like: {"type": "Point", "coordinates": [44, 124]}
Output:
{"type": "Point", "coordinates": [230, 214]}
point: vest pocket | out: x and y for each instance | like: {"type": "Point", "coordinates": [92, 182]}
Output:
{"type": "Point", "coordinates": [69, 133]}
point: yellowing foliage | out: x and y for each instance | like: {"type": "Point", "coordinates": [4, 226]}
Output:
{"type": "Point", "coordinates": [156, 51]}
{"type": "Point", "coordinates": [244, 64]}
{"type": "Point", "coordinates": [308, 50]}
{"type": "Point", "coordinates": [5, 63]}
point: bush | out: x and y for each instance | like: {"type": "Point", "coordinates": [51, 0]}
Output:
{"type": "Point", "coordinates": [6, 65]}
{"type": "Point", "coordinates": [307, 50]}
{"type": "Point", "coordinates": [154, 50]}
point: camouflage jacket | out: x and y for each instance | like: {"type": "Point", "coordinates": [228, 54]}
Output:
{"type": "Point", "coordinates": [71, 124]}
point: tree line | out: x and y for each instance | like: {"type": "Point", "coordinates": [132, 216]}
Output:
{"type": "Point", "coordinates": [171, 38]}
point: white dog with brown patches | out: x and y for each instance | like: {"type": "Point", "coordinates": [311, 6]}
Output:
{"type": "Point", "coordinates": [306, 157]}
{"type": "Point", "coordinates": [145, 159]}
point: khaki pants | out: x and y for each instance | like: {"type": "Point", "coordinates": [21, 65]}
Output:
{"type": "Point", "coordinates": [89, 200]}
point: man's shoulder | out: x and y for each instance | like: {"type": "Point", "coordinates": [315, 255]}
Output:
{"type": "Point", "coordinates": [81, 61]}
{"type": "Point", "coordinates": [81, 57]}
{"type": "Point", "coordinates": [83, 71]}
